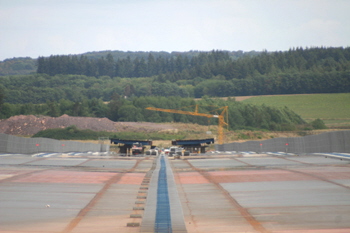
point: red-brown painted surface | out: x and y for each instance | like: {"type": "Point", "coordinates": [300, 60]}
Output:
{"type": "Point", "coordinates": [191, 178]}
{"type": "Point", "coordinates": [53, 176]}
{"type": "Point", "coordinates": [132, 178]}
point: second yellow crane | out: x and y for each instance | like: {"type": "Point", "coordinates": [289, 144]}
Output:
{"type": "Point", "coordinates": [221, 117]}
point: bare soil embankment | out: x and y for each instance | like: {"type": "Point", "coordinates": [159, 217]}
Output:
{"type": "Point", "coordinates": [27, 125]}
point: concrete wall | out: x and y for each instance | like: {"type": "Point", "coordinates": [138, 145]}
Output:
{"type": "Point", "coordinates": [337, 141]}
{"type": "Point", "coordinates": [20, 145]}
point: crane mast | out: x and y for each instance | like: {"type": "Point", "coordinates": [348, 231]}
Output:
{"type": "Point", "coordinates": [221, 117]}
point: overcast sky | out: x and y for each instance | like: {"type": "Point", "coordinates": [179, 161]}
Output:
{"type": "Point", "coordinates": [49, 27]}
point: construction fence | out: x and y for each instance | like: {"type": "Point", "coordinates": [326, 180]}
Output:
{"type": "Point", "coordinates": [330, 142]}
{"type": "Point", "coordinates": [20, 145]}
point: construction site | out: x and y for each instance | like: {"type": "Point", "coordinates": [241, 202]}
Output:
{"type": "Point", "coordinates": [212, 192]}
{"type": "Point", "coordinates": [280, 185]}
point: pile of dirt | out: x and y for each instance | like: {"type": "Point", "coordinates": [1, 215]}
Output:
{"type": "Point", "coordinates": [30, 124]}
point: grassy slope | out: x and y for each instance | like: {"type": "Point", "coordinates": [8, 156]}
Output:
{"type": "Point", "coordinates": [334, 109]}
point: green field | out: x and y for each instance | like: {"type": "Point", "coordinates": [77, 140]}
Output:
{"type": "Point", "coordinates": [333, 109]}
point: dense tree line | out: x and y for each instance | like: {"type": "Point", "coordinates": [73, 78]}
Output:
{"type": "Point", "coordinates": [133, 109]}
{"type": "Point", "coordinates": [39, 88]}
{"type": "Point", "coordinates": [121, 89]}
{"type": "Point", "coordinates": [204, 64]}
{"type": "Point", "coordinates": [119, 55]}
{"type": "Point", "coordinates": [215, 73]}
{"type": "Point", "coordinates": [281, 83]}
{"type": "Point", "coordinates": [138, 67]}
{"type": "Point", "coordinates": [27, 65]}
{"type": "Point", "coordinates": [17, 66]}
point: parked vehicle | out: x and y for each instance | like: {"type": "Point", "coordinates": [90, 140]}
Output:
{"type": "Point", "coordinates": [172, 151]}
{"type": "Point", "coordinates": [136, 149]}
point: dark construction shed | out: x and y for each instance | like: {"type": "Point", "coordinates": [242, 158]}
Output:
{"type": "Point", "coordinates": [126, 145]}
{"type": "Point", "coordinates": [193, 146]}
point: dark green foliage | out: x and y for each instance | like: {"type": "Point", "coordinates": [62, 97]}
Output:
{"type": "Point", "coordinates": [207, 65]}
{"type": "Point", "coordinates": [91, 108]}
{"type": "Point", "coordinates": [245, 116]}
{"type": "Point", "coordinates": [71, 133]}
{"type": "Point", "coordinates": [241, 116]}
{"type": "Point", "coordinates": [192, 74]}
{"type": "Point", "coordinates": [138, 67]}
{"type": "Point", "coordinates": [17, 66]}
{"type": "Point", "coordinates": [318, 124]}
{"type": "Point", "coordinates": [130, 82]}
{"type": "Point", "coordinates": [40, 88]}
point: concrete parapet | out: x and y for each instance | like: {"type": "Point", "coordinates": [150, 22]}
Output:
{"type": "Point", "coordinates": [14, 144]}
{"type": "Point", "coordinates": [338, 141]}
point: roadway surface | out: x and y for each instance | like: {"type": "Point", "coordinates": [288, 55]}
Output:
{"type": "Point", "coordinates": [220, 192]}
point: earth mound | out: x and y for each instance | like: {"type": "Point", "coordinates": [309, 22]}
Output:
{"type": "Point", "coordinates": [27, 125]}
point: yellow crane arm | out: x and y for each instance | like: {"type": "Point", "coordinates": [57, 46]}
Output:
{"type": "Point", "coordinates": [183, 112]}
{"type": "Point", "coordinates": [221, 118]}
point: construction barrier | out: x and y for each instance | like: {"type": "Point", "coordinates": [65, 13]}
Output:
{"type": "Point", "coordinates": [330, 142]}
{"type": "Point", "coordinates": [21, 145]}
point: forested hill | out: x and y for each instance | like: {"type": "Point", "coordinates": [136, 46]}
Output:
{"type": "Point", "coordinates": [189, 65]}
{"type": "Point", "coordinates": [18, 66]}
{"type": "Point", "coordinates": [119, 55]}
{"type": "Point", "coordinates": [215, 73]}
{"type": "Point", "coordinates": [81, 85]}
{"type": "Point", "coordinates": [27, 65]}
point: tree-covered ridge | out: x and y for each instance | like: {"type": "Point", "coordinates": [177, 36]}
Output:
{"type": "Point", "coordinates": [39, 88]}
{"type": "Point", "coordinates": [27, 65]}
{"type": "Point", "coordinates": [127, 67]}
{"type": "Point", "coordinates": [80, 85]}
{"type": "Point", "coordinates": [215, 73]}
{"type": "Point", "coordinates": [241, 116]}
{"type": "Point", "coordinates": [119, 55]}
{"type": "Point", "coordinates": [17, 66]}
{"type": "Point", "coordinates": [201, 64]}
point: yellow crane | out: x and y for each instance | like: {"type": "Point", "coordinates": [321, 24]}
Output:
{"type": "Point", "coordinates": [221, 117]}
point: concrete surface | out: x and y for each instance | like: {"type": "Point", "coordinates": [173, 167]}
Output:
{"type": "Point", "coordinates": [212, 194]}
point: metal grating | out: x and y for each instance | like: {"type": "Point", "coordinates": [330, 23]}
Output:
{"type": "Point", "coordinates": [163, 218]}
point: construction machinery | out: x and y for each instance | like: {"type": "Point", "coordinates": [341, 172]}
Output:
{"type": "Point", "coordinates": [221, 117]}
{"type": "Point", "coordinates": [133, 147]}
{"type": "Point", "coordinates": [137, 148]}
{"type": "Point", "coordinates": [193, 146]}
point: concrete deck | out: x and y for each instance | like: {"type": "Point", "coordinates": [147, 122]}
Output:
{"type": "Point", "coordinates": [208, 194]}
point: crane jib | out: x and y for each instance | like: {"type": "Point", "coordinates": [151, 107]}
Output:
{"type": "Point", "coordinates": [221, 117]}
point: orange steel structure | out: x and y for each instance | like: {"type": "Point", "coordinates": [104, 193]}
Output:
{"type": "Point", "coordinates": [221, 117]}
